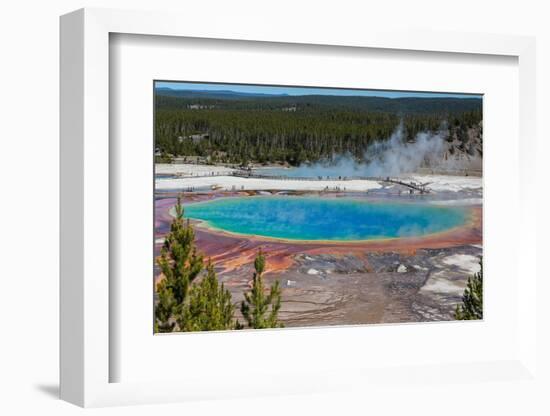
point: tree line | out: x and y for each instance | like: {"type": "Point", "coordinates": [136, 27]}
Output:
{"type": "Point", "coordinates": [181, 99]}
{"type": "Point", "coordinates": [191, 298]}
{"type": "Point", "coordinates": [293, 132]}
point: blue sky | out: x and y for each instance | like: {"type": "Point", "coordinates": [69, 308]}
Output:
{"type": "Point", "coordinates": [304, 91]}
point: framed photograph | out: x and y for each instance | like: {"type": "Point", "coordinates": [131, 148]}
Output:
{"type": "Point", "coordinates": [311, 204]}
{"type": "Point", "coordinates": [306, 207]}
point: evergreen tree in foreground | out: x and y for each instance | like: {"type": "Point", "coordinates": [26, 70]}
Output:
{"type": "Point", "coordinates": [180, 265]}
{"type": "Point", "coordinates": [258, 309]}
{"type": "Point", "coordinates": [472, 299]}
{"type": "Point", "coordinates": [165, 308]}
{"type": "Point", "coordinates": [208, 307]}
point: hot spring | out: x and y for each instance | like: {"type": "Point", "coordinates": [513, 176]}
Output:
{"type": "Point", "coordinates": [312, 218]}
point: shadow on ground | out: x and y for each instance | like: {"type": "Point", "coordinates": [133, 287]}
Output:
{"type": "Point", "coordinates": [51, 390]}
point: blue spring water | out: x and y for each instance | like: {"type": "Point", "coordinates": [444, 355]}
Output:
{"type": "Point", "coordinates": [315, 218]}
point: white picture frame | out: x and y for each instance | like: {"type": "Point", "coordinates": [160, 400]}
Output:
{"type": "Point", "coordinates": [85, 353]}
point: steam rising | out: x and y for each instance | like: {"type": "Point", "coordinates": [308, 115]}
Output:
{"type": "Point", "coordinates": [396, 156]}
{"type": "Point", "coordinates": [383, 158]}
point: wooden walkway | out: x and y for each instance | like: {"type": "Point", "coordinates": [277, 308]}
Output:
{"type": "Point", "coordinates": [421, 188]}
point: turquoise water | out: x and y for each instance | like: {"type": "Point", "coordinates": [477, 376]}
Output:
{"type": "Point", "coordinates": [310, 218]}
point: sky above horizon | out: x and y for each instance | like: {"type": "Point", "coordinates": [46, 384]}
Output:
{"type": "Point", "coordinates": [261, 89]}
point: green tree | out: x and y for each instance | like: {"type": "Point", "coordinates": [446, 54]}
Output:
{"type": "Point", "coordinates": [165, 308]}
{"type": "Point", "coordinates": [258, 309]}
{"type": "Point", "coordinates": [208, 306]}
{"type": "Point", "coordinates": [472, 299]}
{"type": "Point", "coordinates": [260, 130]}
{"type": "Point", "coordinates": [180, 264]}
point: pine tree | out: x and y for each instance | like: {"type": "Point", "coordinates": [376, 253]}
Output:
{"type": "Point", "coordinates": [259, 310]}
{"type": "Point", "coordinates": [165, 308]}
{"type": "Point", "coordinates": [208, 306]}
{"type": "Point", "coordinates": [472, 299]}
{"type": "Point", "coordinates": [180, 265]}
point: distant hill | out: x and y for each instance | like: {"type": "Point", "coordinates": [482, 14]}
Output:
{"type": "Point", "coordinates": [167, 98]}
{"type": "Point", "coordinates": [218, 94]}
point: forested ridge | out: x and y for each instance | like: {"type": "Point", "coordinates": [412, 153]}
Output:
{"type": "Point", "coordinates": [241, 128]}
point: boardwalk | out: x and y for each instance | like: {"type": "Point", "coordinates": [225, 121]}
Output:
{"type": "Point", "coordinates": [420, 187]}
{"type": "Point", "coordinates": [413, 186]}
